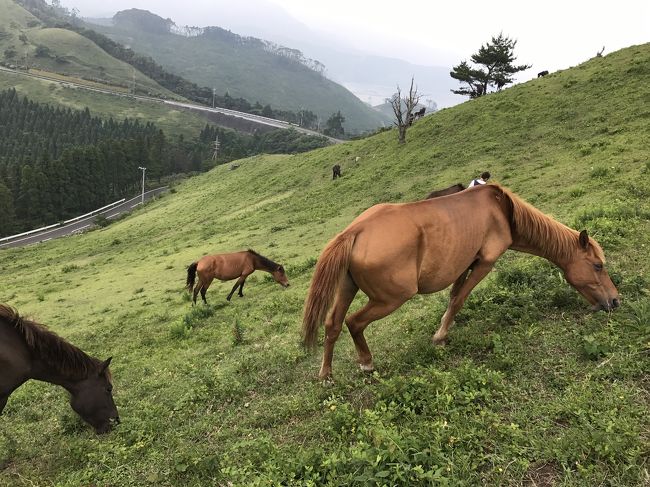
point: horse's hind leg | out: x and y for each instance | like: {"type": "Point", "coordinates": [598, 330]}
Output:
{"type": "Point", "coordinates": [334, 323]}
{"type": "Point", "coordinates": [357, 322]}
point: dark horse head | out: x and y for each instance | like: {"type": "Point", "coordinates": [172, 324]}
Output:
{"type": "Point", "coordinates": [92, 399]}
{"type": "Point", "coordinates": [29, 350]}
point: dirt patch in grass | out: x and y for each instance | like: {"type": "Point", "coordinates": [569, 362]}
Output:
{"type": "Point", "coordinates": [542, 475]}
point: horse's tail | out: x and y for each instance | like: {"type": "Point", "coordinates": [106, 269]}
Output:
{"type": "Point", "coordinates": [330, 270]}
{"type": "Point", "coordinates": [191, 276]}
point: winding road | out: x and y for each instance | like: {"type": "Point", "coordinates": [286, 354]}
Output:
{"type": "Point", "coordinates": [76, 225]}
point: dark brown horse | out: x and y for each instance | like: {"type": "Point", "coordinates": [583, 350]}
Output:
{"type": "Point", "coordinates": [394, 251]}
{"type": "Point", "coordinates": [28, 350]}
{"type": "Point", "coordinates": [456, 188]}
{"type": "Point", "coordinates": [226, 267]}
{"type": "Point", "coordinates": [336, 171]}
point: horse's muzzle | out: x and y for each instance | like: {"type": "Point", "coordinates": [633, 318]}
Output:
{"type": "Point", "coordinates": [608, 305]}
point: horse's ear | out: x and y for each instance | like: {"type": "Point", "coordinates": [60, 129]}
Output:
{"type": "Point", "coordinates": [583, 239]}
{"type": "Point", "coordinates": [104, 365]}
{"type": "Point", "coordinates": [281, 269]}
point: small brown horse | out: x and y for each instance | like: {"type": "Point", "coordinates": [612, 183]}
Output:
{"type": "Point", "coordinates": [394, 251]}
{"type": "Point", "coordinates": [226, 267]}
{"type": "Point", "coordinates": [456, 188]}
{"type": "Point", "coordinates": [28, 350]}
{"type": "Point", "coordinates": [336, 171]}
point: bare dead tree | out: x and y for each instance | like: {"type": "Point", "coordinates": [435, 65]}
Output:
{"type": "Point", "coordinates": [403, 109]}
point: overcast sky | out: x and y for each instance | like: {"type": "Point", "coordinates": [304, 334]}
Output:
{"type": "Point", "coordinates": [551, 34]}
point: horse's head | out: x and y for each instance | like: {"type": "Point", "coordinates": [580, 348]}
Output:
{"type": "Point", "coordinates": [280, 277]}
{"type": "Point", "coordinates": [92, 399]}
{"type": "Point", "coordinates": [586, 272]}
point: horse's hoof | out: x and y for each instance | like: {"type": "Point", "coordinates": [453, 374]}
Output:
{"type": "Point", "coordinates": [368, 369]}
{"type": "Point", "coordinates": [439, 342]}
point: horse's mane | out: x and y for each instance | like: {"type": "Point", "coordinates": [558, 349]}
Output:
{"type": "Point", "coordinates": [57, 353]}
{"type": "Point", "coordinates": [268, 263]}
{"type": "Point", "coordinates": [554, 239]}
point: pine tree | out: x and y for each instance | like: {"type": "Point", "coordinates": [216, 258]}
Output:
{"type": "Point", "coordinates": [497, 69]}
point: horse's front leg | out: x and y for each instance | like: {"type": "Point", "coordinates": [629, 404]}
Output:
{"type": "Point", "coordinates": [239, 284]}
{"type": "Point", "coordinates": [459, 292]}
{"type": "Point", "coordinates": [241, 288]}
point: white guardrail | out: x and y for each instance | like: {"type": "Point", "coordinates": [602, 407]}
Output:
{"type": "Point", "coordinates": [60, 224]}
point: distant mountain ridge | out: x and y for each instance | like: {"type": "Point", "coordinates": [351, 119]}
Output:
{"type": "Point", "coordinates": [245, 67]}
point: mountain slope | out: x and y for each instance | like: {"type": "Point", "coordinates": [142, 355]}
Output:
{"type": "Point", "coordinates": [532, 389]}
{"type": "Point", "coordinates": [65, 52]}
{"type": "Point", "coordinates": [242, 66]}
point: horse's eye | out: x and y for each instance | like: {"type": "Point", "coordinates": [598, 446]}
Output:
{"type": "Point", "coordinates": [598, 267]}
{"type": "Point", "coordinates": [109, 388]}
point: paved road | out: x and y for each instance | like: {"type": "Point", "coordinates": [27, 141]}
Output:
{"type": "Point", "coordinates": [191, 106]}
{"type": "Point", "coordinates": [81, 225]}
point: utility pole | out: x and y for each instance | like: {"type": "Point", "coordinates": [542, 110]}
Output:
{"type": "Point", "coordinates": [143, 169]}
{"type": "Point", "coordinates": [216, 148]}
{"type": "Point", "coordinates": [214, 92]}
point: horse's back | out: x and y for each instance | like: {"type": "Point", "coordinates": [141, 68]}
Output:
{"type": "Point", "coordinates": [223, 266]}
{"type": "Point", "coordinates": [424, 245]}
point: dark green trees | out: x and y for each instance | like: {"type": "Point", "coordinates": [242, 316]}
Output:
{"type": "Point", "coordinates": [334, 125]}
{"type": "Point", "coordinates": [496, 69]}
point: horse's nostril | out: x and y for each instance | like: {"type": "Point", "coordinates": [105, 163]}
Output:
{"type": "Point", "coordinates": [615, 303]}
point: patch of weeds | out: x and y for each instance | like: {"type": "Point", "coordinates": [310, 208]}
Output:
{"type": "Point", "coordinates": [599, 172]}
{"type": "Point", "coordinates": [102, 222]}
{"type": "Point", "coordinates": [195, 317]}
{"type": "Point", "coordinates": [139, 290]}
{"type": "Point", "coordinates": [237, 333]}
{"type": "Point", "coordinates": [595, 346]}
{"type": "Point", "coordinates": [577, 192]}
{"type": "Point", "coordinates": [116, 241]}
{"type": "Point", "coordinates": [70, 268]}
{"type": "Point", "coordinates": [304, 266]}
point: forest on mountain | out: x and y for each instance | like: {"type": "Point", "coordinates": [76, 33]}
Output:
{"type": "Point", "coordinates": [56, 163]}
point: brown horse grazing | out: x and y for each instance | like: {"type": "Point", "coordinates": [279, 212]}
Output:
{"type": "Point", "coordinates": [394, 251]}
{"type": "Point", "coordinates": [226, 267]}
{"type": "Point", "coordinates": [456, 188]}
{"type": "Point", "coordinates": [28, 350]}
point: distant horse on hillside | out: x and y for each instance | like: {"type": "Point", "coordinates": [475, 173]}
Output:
{"type": "Point", "coordinates": [226, 267]}
{"type": "Point", "coordinates": [394, 251]}
{"type": "Point", "coordinates": [28, 350]}
{"type": "Point", "coordinates": [455, 188]}
{"type": "Point", "coordinates": [542, 73]}
{"type": "Point", "coordinates": [336, 171]}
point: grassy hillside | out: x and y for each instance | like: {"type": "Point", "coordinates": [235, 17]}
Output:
{"type": "Point", "coordinates": [173, 121]}
{"type": "Point", "coordinates": [532, 389]}
{"type": "Point", "coordinates": [75, 56]}
{"type": "Point", "coordinates": [63, 51]}
{"type": "Point", "coordinates": [243, 68]}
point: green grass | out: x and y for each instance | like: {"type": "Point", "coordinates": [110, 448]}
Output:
{"type": "Point", "coordinates": [532, 388]}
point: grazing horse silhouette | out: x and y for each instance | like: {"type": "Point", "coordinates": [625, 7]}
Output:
{"type": "Point", "coordinates": [28, 350]}
{"type": "Point", "coordinates": [542, 73]}
{"type": "Point", "coordinates": [394, 251]}
{"type": "Point", "coordinates": [336, 171]}
{"type": "Point", "coordinates": [226, 267]}
{"type": "Point", "coordinates": [456, 188]}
